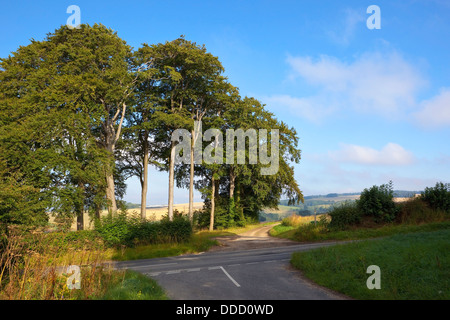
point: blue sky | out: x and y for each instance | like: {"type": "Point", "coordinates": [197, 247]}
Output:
{"type": "Point", "coordinates": [369, 106]}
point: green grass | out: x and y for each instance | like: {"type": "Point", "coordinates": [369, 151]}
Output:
{"type": "Point", "coordinates": [199, 242]}
{"type": "Point", "coordinates": [311, 233]}
{"type": "Point", "coordinates": [134, 286]}
{"type": "Point", "coordinates": [281, 231]}
{"type": "Point", "coordinates": [413, 266]}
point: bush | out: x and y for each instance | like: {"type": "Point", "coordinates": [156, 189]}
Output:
{"type": "Point", "coordinates": [344, 215]}
{"type": "Point", "coordinates": [438, 197]}
{"type": "Point", "coordinates": [115, 230]}
{"type": "Point", "coordinates": [377, 202]}
{"type": "Point", "coordinates": [129, 231]}
{"type": "Point", "coordinates": [178, 230]}
{"type": "Point", "coordinates": [416, 211]}
{"type": "Point", "coordinates": [312, 231]}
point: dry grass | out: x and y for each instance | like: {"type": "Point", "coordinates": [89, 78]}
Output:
{"type": "Point", "coordinates": [296, 220]}
{"type": "Point", "coordinates": [31, 268]}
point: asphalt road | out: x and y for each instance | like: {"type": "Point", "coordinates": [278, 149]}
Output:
{"type": "Point", "coordinates": [256, 274]}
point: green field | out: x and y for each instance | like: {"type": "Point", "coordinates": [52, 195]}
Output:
{"type": "Point", "coordinates": [313, 204]}
{"type": "Point", "coordinates": [413, 266]}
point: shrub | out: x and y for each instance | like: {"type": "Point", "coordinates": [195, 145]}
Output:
{"type": "Point", "coordinates": [377, 202]}
{"type": "Point", "coordinates": [115, 230]}
{"type": "Point", "coordinates": [129, 231]}
{"type": "Point", "coordinates": [344, 215]}
{"type": "Point", "coordinates": [416, 211]}
{"type": "Point", "coordinates": [438, 197]}
{"type": "Point", "coordinates": [311, 231]}
{"type": "Point", "coordinates": [177, 230]}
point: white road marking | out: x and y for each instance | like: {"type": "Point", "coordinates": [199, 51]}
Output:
{"type": "Point", "coordinates": [226, 273]}
{"type": "Point", "coordinates": [192, 270]}
{"type": "Point", "coordinates": [173, 272]}
{"type": "Point", "coordinates": [152, 265]}
{"type": "Point", "coordinates": [214, 268]}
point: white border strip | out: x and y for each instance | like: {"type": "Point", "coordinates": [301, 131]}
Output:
{"type": "Point", "coordinates": [226, 273]}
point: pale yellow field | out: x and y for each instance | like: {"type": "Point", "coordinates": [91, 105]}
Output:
{"type": "Point", "coordinates": [154, 214]}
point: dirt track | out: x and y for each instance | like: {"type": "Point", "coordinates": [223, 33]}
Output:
{"type": "Point", "coordinates": [253, 239]}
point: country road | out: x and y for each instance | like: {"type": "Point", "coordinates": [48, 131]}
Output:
{"type": "Point", "coordinates": [230, 272]}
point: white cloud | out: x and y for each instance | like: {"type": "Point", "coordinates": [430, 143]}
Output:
{"type": "Point", "coordinates": [313, 109]}
{"type": "Point", "coordinates": [390, 154]}
{"type": "Point", "coordinates": [435, 112]}
{"type": "Point", "coordinates": [377, 83]}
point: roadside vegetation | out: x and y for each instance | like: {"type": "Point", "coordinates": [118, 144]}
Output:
{"type": "Point", "coordinates": [34, 263]}
{"type": "Point", "coordinates": [82, 112]}
{"type": "Point", "coordinates": [65, 266]}
{"type": "Point", "coordinates": [409, 241]}
{"type": "Point", "coordinates": [412, 266]}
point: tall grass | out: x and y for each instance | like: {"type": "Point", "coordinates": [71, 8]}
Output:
{"type": "Point", "coordinates": [296, 220]}
{"type": "Point", "coordinates": [417, 211]}
{"type": "Point", "coordinates": [35, 267]}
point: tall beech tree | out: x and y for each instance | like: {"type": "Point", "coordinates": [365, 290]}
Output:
{"type": "Point", "coordinates": [189, 76]}
{"type": "Point", "coordinates": [64, 100]}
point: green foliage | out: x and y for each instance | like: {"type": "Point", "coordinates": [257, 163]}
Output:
{"type": "Point", "coordinates": [438, 197]}
{"type": "Point", "coordinates": [311, 231]}
{"type": "Point", "coordinates": [345, 214]}
{"type": "Point", "coordinates": [377, 202]}
{"type": "Point", "coordinates": [69, 240]}
{"type": "Point", "coordinates": [64, 101]}
{"type": "Point", "coordinates": [130, 231]}
{"type": "Point", "coordinates": [416, 210]}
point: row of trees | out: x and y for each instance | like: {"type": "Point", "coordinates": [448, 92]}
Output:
{"type": "Point", "coordinates": [81, 111]}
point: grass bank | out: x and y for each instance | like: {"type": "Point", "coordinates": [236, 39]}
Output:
{"type": "Point", "coordinates": [132, 286]}
{"type": "Point", "coordinates": [309, 232]}
{"type": "Point", "coordinates": [413, 266]}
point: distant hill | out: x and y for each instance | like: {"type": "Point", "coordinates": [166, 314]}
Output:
{"type": "Point", "coordinates": [130, 205]}
{"type": "Point", "coordinates": [318, 204]}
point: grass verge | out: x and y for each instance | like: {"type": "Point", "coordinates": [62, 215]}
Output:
{"type": "Point", "coordinates": [200, 242]}
{"type": "Point", "coordinates": [316, 233]}
{"type": "Point", "coordinates": [133, 286]}
{"type": "Point", "coordinates": [413, 266]}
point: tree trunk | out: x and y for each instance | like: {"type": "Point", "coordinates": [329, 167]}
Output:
{"type": "Point", "coordinates": [171, 179]}
{"type": "Point", "coordinates": [232, 180]}
{"type": "Point", "coordinates": [191, 180]}
{"type": "Point", "coordinates": [111, 137]}
{"type": "Point", "coordinates": [144, 182]}
{"type": "Point", "coordinates": [110, 187]}
{"type": "Point", "coordinates": [231, 203]}
{"type": "Point", "coordinates": [110, 193]}
{"type": "Point", "coordinates": [213, 204]}
{"type": "Point", "coordinates": [80, 210]}
{"type": "Point", "coordinates": [80, 220]}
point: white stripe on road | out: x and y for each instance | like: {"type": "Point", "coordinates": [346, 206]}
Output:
{"type": "Point", "coordinates": [214, 268]}
{"type": "Point", "coordinates": [226, 273]}
{"type": "Point", "coordinates": [151, 265]}
{"type": "Point", "coordinates": [173, 272]}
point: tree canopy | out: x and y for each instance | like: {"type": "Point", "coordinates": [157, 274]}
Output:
{"type": "Point", "coordinates": [80, 112]}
